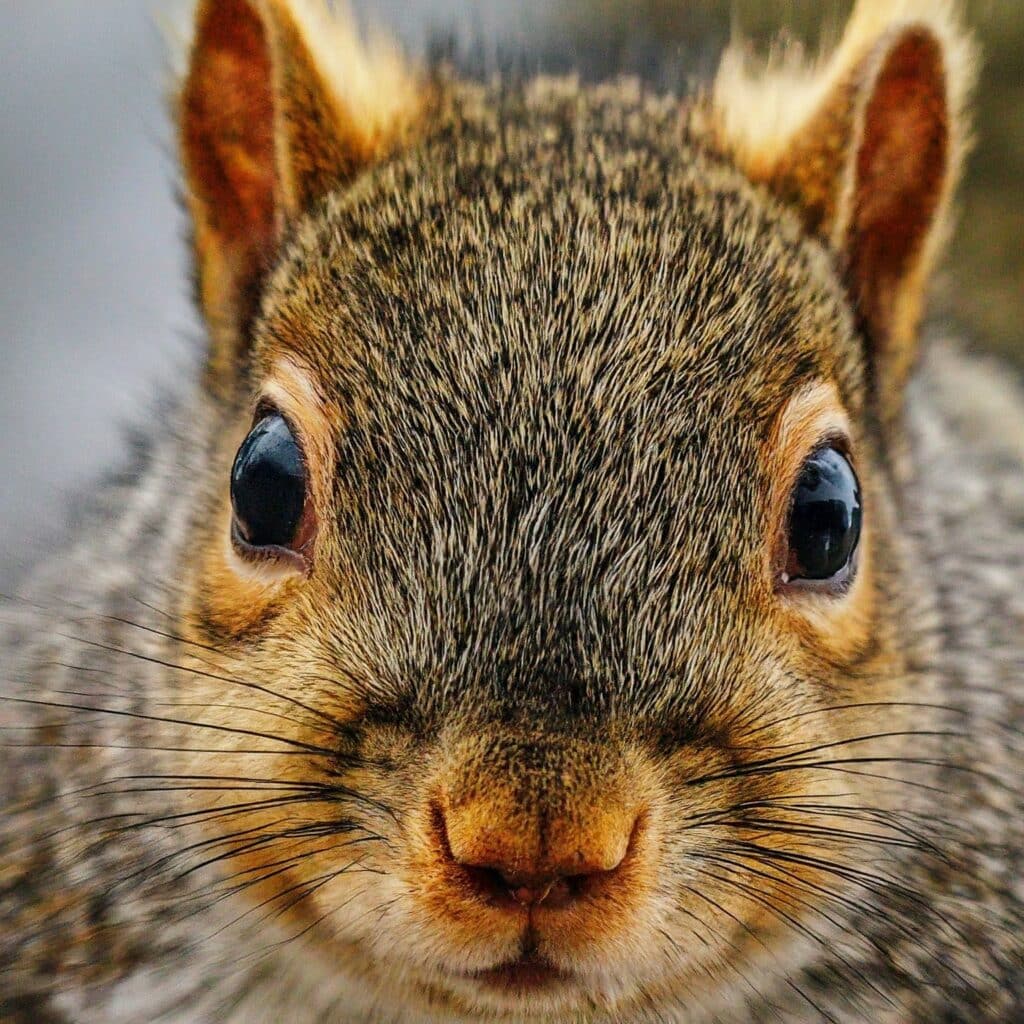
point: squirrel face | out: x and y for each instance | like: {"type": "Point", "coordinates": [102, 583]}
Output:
{"type": "Point", "coordinates": [555, 510]}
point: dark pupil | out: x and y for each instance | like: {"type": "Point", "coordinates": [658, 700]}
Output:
{"type": "Point", "coordinates": [825, 523]}
{"type": "Point", "coordinates": [268, 484]}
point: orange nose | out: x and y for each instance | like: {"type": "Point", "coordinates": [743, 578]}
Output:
{"type": "Point", "coordinates": [530, 861]}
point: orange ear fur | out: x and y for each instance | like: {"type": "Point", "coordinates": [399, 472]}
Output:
{"type": "Point", "coordinates": [226, 126]}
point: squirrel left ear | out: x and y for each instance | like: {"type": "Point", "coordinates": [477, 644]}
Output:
{"type": "Point", "coordinates": [281, 104]}
{"type": "Point", "coordinates": [868, 146]}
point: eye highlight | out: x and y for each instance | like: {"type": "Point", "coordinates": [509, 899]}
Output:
{"type": "Point", "coordinates": [824, 520]}
{"type": "Point", "coordinates": [268, 487]}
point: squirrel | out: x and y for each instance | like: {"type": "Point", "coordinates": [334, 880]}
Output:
{"type": "Point", "coordinates": [570, 588]}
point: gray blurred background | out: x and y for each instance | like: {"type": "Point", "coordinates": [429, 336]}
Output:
{"type": "Point", "coordinates": [93, 288]}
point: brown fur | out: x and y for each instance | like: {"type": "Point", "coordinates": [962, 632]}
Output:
{"type": "Point", "coordinates": [533, 687]}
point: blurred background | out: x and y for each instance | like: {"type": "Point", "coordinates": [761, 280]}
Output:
{"type": "Point", "coordinates": [93, 287]}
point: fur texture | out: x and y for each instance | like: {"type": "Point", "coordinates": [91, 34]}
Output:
{"type": "Point", "coordinates": [555, 356]}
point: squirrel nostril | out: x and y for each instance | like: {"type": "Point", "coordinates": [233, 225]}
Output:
{"type": "Point", "coordinates": [499, 887]}
{"type": "Point", "coordinates": [499, 867]}
{"type": "Point", "coordinates": [559, 892]}
{"type": "Point", "coordinates": [527, 895]}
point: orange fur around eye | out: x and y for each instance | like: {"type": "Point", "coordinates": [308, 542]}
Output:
{"type": "Point", "coordinates": [814, 415]}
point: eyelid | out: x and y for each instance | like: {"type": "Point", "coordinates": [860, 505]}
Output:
{"type": "Point", "coordinates": [265, 407]}
{"type": "Point", "coordinates": [268, 554]}
{"type": "Point", "coordinates": [836, 438]}
{"type": "Point", "coordinates": [834, 586]}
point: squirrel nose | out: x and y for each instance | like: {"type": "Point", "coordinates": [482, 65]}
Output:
{"type": "Point", "coordinates": [509, 867]}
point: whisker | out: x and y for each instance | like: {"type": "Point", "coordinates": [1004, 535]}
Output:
{"type": "Point", "coordinates": [868, 879]}
{"type": "Point", "coordinates": [774, 766]}
{"type": "Point", "coordinates": [802, 929]}
{"type": "Point", "coordinates": [201, 673]}
{"type": "Point", "coordinates": [216, 727]}
{"type": "Point", "coordinates": [284, 892]}
{"type": "Point", "coordinates": [770, 858]}
{"type": "Point", "coordinates": [861, 705]}
{"type": "Point", "coordinates": [125, 694]}
{"type": "Point", "coordinates": [832, 745]}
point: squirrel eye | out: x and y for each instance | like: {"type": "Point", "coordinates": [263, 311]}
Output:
{"type": "Point", "coordinates": [268, 485]}
{"type": "Point", "coordinates": [824, 520]}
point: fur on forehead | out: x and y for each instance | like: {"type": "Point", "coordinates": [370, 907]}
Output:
{"type": "Point", "coordinates": [493, 183]}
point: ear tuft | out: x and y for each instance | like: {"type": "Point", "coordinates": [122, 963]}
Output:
{"type": "Point", "coordinates": [758, 108]}
{"type": "Point", "coordinates": [343, 102]}
{"type": "Point", "coordinates": [867, 145]}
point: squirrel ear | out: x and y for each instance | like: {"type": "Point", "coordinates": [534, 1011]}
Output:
{"type": "Point", "coordinates": [280, 105]}
{"type": "Point", "coordinates": [868, 146]}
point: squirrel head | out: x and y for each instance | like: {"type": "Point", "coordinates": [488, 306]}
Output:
{"type": "Point", "coordinates": [553, 508]}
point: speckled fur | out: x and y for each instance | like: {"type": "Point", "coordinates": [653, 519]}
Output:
{"type": "Point", "coordinates": [553, 334]}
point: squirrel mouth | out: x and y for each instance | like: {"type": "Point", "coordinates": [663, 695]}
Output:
{"type": "Point", "coordinates": [525, 974]}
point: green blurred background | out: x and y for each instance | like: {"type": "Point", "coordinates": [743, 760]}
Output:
{"type": "Point", "coordinates": [982, 283]}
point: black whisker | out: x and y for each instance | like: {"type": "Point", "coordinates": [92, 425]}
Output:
{"type": "Point", "coordinates": [235, 730]}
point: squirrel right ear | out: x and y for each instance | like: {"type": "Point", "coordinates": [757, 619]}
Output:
{"type": "Point", "coordinates": [868, 147]}
{"type": "Point", "coordinates": [280, 105]}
